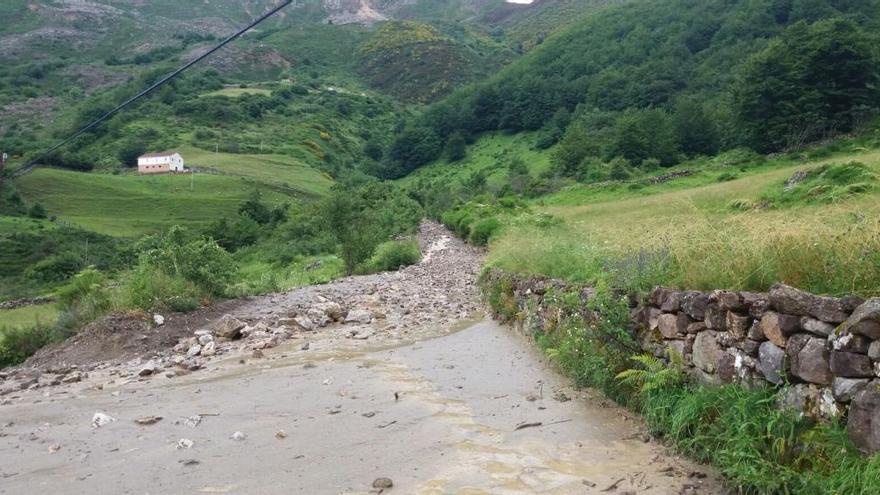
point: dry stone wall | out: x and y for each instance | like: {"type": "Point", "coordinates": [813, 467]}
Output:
{"type": "Point", "coordinates": [824, 352]}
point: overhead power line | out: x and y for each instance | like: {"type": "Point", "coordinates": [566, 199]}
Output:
{"type": "Point", "coordinates": [33, 163]}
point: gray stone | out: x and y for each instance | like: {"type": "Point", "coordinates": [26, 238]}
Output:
{"type": "Point", "coordinates": [777, 327]}
{"type": "Point", "coordinates": [715, 318]}
{"type": "Point", "coordinates": [658, 296]}
{"type": "Point", "coordinates": [816, 327]}
{"type": "Point", "coordinates": [210, 349]}
{"type": "Point", "coordinates": [863, 425]}
{"type": "Point", "coordinates": [707, 353]}
{"type": "Point", "coordinates": [845, 389]}
{"type": "Point", "coordinates": [361, 316]}
{"type": "Point", "coordinates": [785, 299]}
{"type": "Point", "coordinates": [228, 327]}
{"type": "Point", "coordinates": [727, 368]}
{"type": "Point", "coordinates": [865, 320]}
{"type": "Point", "coordinates": [749, 347]}
{"type": "Point", "coordinates": [727, 300]}
{"type": "Point", "coordinates": [148, 369]}
{"type": "Point", "coordinates": [672, 302]}
{"type": "Point", "coordinates": [874, 350]}
{"type": "Point", "coordinates": [810, 400]}
{"type": "Point", "coordinates": [652, 318]}
{"type": "Point", "coordinates": [758, 304]}
{"type": "Point", "coordinates": [771, 362]}
{"type": "Point", "coordinates": [809, 359]}
{"type": "Point", "coordinates": [680, 347]}
{"type": "Point", "coordinates": [695, 304]}
{"type": "Point", "coordinates": [792, 301]}
{"type": "Point", "coordinates": [756, 331]}
{"type": "Point", "coordinates": [737, 325]}
{"type": "Point", "coordinates": [194, 350]}
{"type": "Point", "coordinates": [696, 327]}
{"type": "Point", "coordinates": [672, 325]}
{"type": "Point", "coordinates": [849, 342]}
{"type": "Point", "coordinates": [851, 365]}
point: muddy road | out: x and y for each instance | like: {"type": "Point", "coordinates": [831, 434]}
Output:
{"type": "Point", "coordinates": [424, 392]}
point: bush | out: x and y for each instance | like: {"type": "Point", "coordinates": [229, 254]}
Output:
{"type": "Point", "coordinates": [483, 230]}
{"type": "Point", "coordinates": [392, 255]}
{"type": "Point", "coordinates": [17, 344]}
{"type": "Point", "coordinates": [55, 268]}
{"type": "Point", "coordinates": [154, 289]}
{"type": "Point", "coordinates": [195, 259]}
{"type": "Point", "coordinates": [37, 211]}
{"type": "Point", "coordinates": [84, 299]}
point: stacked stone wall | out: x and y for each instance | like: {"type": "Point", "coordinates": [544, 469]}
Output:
{"type": "Point", "coordinates": [824, 352]}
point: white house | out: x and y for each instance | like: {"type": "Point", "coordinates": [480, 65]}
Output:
{"type": "Point", "coordinates": [160, 163]}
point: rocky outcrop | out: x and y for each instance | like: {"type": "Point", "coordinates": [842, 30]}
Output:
{"type": "Point", "coordinates": [825, 351]}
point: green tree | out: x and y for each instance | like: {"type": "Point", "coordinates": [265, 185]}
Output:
{"type": "Point", "coordinates": [813, 81]}
{"type": "Point", "coordinates": [695, 130]}
{"type": "Point", "coordinates": [456, 147]}
{"type": "Point", "coordinates": [352, 225]}
{"type": "Point", "coordinates": [643, 134]}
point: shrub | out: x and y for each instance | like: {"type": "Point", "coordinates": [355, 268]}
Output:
{"type": "Point", "coordinates": [195, 259]}
{"type": "Point", "coordinates": [483, 230]}
{"type": "Point", "coordinates": [154, 289]}
{"type": "Point", "coordinates": [393, 255]}
{"type": "Point", "coordinates": [17, 344]}
{"type": "Point", "coordinates": [55, 268]}
{"type": "Point", "coordinates": [84, 299]}
{"type": "Point", "coordinates": [37, 211]}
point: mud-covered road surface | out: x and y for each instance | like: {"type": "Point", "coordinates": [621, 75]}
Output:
{"type": "Point", "coordinates": [457, 405]}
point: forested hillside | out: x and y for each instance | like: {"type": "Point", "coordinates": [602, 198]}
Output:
{"type": "Point", "coordinates": [657, 82]}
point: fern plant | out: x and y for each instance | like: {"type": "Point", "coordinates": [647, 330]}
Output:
{"type": "Point", "coordinates": [654, 374]}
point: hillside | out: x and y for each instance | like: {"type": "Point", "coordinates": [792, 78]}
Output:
{"type": "Point", "coordinates": [665, 80]}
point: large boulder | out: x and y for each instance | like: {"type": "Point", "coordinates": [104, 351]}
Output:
{"type": "Point", "coordinates": [228, 327]}
{"type": "Point", "coordinates": [809, 359]}
{"type": "Point", "coordinates": [778, 327]}
{"type": "Point", "coordinates": [771, 362]}
{"type": "Point", "coordinates": [863, 425]}
{"type": "Point", "coordinates": [851, 365]}
{"type": "Point", "coordinates": [865, 320]}
{"type": "Point", "coordinates": [707, 353]}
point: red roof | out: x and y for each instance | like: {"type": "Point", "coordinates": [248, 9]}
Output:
{"type": "Point", "coordinates": [158, 155]}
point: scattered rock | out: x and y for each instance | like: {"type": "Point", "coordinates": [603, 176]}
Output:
{"type": "Point", "coordinates": [194, 350]}
{"type": "Point", "coordinates": [210, 349]}
{"type": "Point", "coordinates": [238, 436]}
{"type": "Point", "coordinates": [185, 443]}
{"type": "Point", "coordinates": [360, 316]}
{"type": "Point", "coordinates": [280, 434]}
{"type": "Point", "coordinates": [383, 483]}
{"type": "Point", "coordinates": [228, 327]}
{"type": "Point", "coordinates": [148, 420]}
{"type": "Point", "coordinates": [149, 368]}
{"type": "Point", "coordinates": [257, 354]}
{"type": "Point", "coordinates": [55, 447]}
{"type": "Point", "coordinates": [159, 320]}
{"type": "Point", "coordinates": [100, 419]}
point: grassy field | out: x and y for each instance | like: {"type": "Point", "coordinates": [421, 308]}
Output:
{"type": "Point", "coordinates": [130, 205]}
{"type": "Point", "coordinates": [44, 314]}
{"type": "Point", "coordinates": [695, 232]}
{"type": "Point", "coordinates": [237, 92]}
{"type": "Point", "coordinates": [276, 170]}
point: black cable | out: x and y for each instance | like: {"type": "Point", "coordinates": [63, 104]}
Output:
{"type": "Point", "coordinates": [33, 163]}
